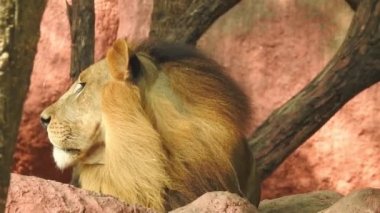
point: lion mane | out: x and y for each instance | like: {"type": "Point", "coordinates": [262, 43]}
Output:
{"type": "Point", "coordinates": [170, 128]}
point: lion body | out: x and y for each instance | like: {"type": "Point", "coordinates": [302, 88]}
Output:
{"type": "Point", "coordinates": [168, 127]}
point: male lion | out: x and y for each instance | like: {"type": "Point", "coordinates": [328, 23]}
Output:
{"type": "Point", "coordinates": [156, 125]}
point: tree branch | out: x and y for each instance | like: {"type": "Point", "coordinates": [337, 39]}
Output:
{"type": "Point", "coordinates": [355, 67]}
{"type": "Point", "coordinates": [81, 16]}
{"type": "Point", "coordinates": [185, 21]}
{"type": "Point", "coordinates": [19, 34]}
{"type": "Point", "coordinates": [353, 4]}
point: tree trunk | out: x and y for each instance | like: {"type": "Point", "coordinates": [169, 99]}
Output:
{"type": "Point", "coordinates": [355, 67]}
{"type": "Point", "coordinates": [82, 25]}
{"type": "Point", "coordinates": [19, 34]}
{"type": "Point", "coordinates": [185, 21]}
{"type": "Point", "coordinates": [353, 4]}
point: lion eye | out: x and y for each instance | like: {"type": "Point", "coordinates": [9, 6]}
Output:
{"type": "Point", "coordinates": [79, 87]}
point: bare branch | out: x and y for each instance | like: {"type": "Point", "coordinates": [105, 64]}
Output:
{"type": "Point", "coordinates": [69, 12]}
{"type": "Point", "coordinates": [353, 4]}
{"type": "Point", "coordinates": [355, 67]}
{"type": "Point", "coordinates": [186, 20]}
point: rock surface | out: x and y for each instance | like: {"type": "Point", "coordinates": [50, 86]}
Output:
{"type": "Point", "coordinates": [218, 202]}
{"type": "Point", "coordinates": [32, 194]}
{"type": "Point", "coordinates": [363, 200]}
{"type": "Point", "coordinates": [303, 203]}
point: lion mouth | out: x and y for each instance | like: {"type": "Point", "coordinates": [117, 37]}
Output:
{"type": "Point", "coordinates": [69, 150]}
{"type": "Point", "coordinates": [74, 151]}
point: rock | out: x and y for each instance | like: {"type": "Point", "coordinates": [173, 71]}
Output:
{"type": "Point", "coordinates": [134, 19]}
{"type": "Point", "coordinates": [309, 202]}
{"type": "Point", "coordinates": [218, 202]}
{"type": "Point", "coordinates": [363, 200]}
{"type": "Point", "coordinates": [32, 194]}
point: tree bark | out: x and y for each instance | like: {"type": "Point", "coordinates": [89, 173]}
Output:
{"type": "Point", "coordinates": [19, 34]}
{"type": "Point", "coordinates": [185, 21]}
{"type": "Point", "coordinates": [353, 4]}
{"type": "Point", "coordinates": [355, 67]}
{"type": "Point", "coordinates": [82, 25]}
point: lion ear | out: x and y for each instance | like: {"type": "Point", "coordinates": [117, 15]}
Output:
{"type": "Point", "coordinates": [118, 60]}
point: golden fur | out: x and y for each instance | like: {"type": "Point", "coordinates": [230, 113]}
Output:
{"type": "Point", "coordinates": [158, 125]}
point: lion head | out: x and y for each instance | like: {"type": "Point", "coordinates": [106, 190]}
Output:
{"type": "Point", "coordinates": [74, 121]}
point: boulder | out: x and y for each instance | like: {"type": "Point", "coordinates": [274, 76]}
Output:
{"type": "Point", "coordinates": [32, 194]}
{"type": "Point", "coordinates": [221, 202]}
{"type": "Point", "coordinates": [363, 200]}
{"type": "Point", "coordinates": [309, 202]}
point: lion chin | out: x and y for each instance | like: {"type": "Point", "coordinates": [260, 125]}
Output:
{"type": "Point", "coordinates": [63, 159]}
{"type": "Point", "coordinates": [156, 125]}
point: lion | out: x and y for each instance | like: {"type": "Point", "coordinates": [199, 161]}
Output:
{"type": "Point", "coordinates": [157, 125]}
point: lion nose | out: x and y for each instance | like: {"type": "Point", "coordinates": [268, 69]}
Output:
{"type": "Point", "coordinates": [45, 120]}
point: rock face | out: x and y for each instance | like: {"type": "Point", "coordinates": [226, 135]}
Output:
{"type": "Point", "coordinates": [218, 202]}
{"type": "Point", "coordinates": [306, 203]}
{"type": "Point", "coordinates": [271, 48]}
{"type": "Point", "coordinates": [32, 194]}
{"type": "Point", "coordinates": [364, 200]}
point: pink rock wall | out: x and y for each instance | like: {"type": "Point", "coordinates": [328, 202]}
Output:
{"type": "Point", "coordinates": [134, 18]}
{"type": "Point", "coordinates": [273, 48]}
